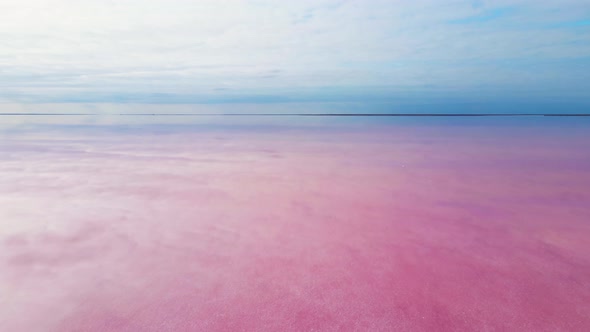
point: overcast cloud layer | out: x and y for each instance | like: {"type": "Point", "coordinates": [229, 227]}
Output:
{"type": "Point", "coordinates": [181, 51]}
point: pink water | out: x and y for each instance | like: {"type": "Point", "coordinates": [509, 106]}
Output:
{"type": "Point", "coordinates": [377, 228]}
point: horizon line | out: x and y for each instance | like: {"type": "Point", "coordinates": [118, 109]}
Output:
{"type": "Point", "coordinates": [307, 114]}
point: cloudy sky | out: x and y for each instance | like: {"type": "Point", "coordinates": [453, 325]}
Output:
{"type": "Point", "coordinates": [263, 51]}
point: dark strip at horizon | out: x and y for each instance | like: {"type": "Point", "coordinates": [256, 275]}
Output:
{"type": "Point", "coordinates": [302, 114]}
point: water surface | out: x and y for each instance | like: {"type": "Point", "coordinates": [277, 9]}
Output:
{"type": "Point", "coordinates": [287, 223]}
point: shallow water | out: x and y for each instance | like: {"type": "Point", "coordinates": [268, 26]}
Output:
{"type": "Point", "coordinates": [151, 223]}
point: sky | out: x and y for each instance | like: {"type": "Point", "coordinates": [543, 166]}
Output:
{"type": "Point", "coordinates": [422, 54]}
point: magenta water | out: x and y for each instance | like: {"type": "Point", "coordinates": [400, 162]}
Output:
{"type": "Point", "coordinates": [380, 225]}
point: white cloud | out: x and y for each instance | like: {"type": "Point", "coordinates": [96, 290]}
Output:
{"type": "Point", "coordinates": [76, 48]}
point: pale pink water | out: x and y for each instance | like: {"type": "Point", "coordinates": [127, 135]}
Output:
{"type": "Point", "coordinates": [408, 228]}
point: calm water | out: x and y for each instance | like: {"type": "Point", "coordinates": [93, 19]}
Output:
{"type": "Point", "coordinates": [151, 223]}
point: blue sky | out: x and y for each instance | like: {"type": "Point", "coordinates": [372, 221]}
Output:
{"type": "Point", "coordinates": [421, 53]}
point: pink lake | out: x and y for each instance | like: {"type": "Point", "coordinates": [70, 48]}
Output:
{"type": "Point", "coordinates": [371, 226]}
